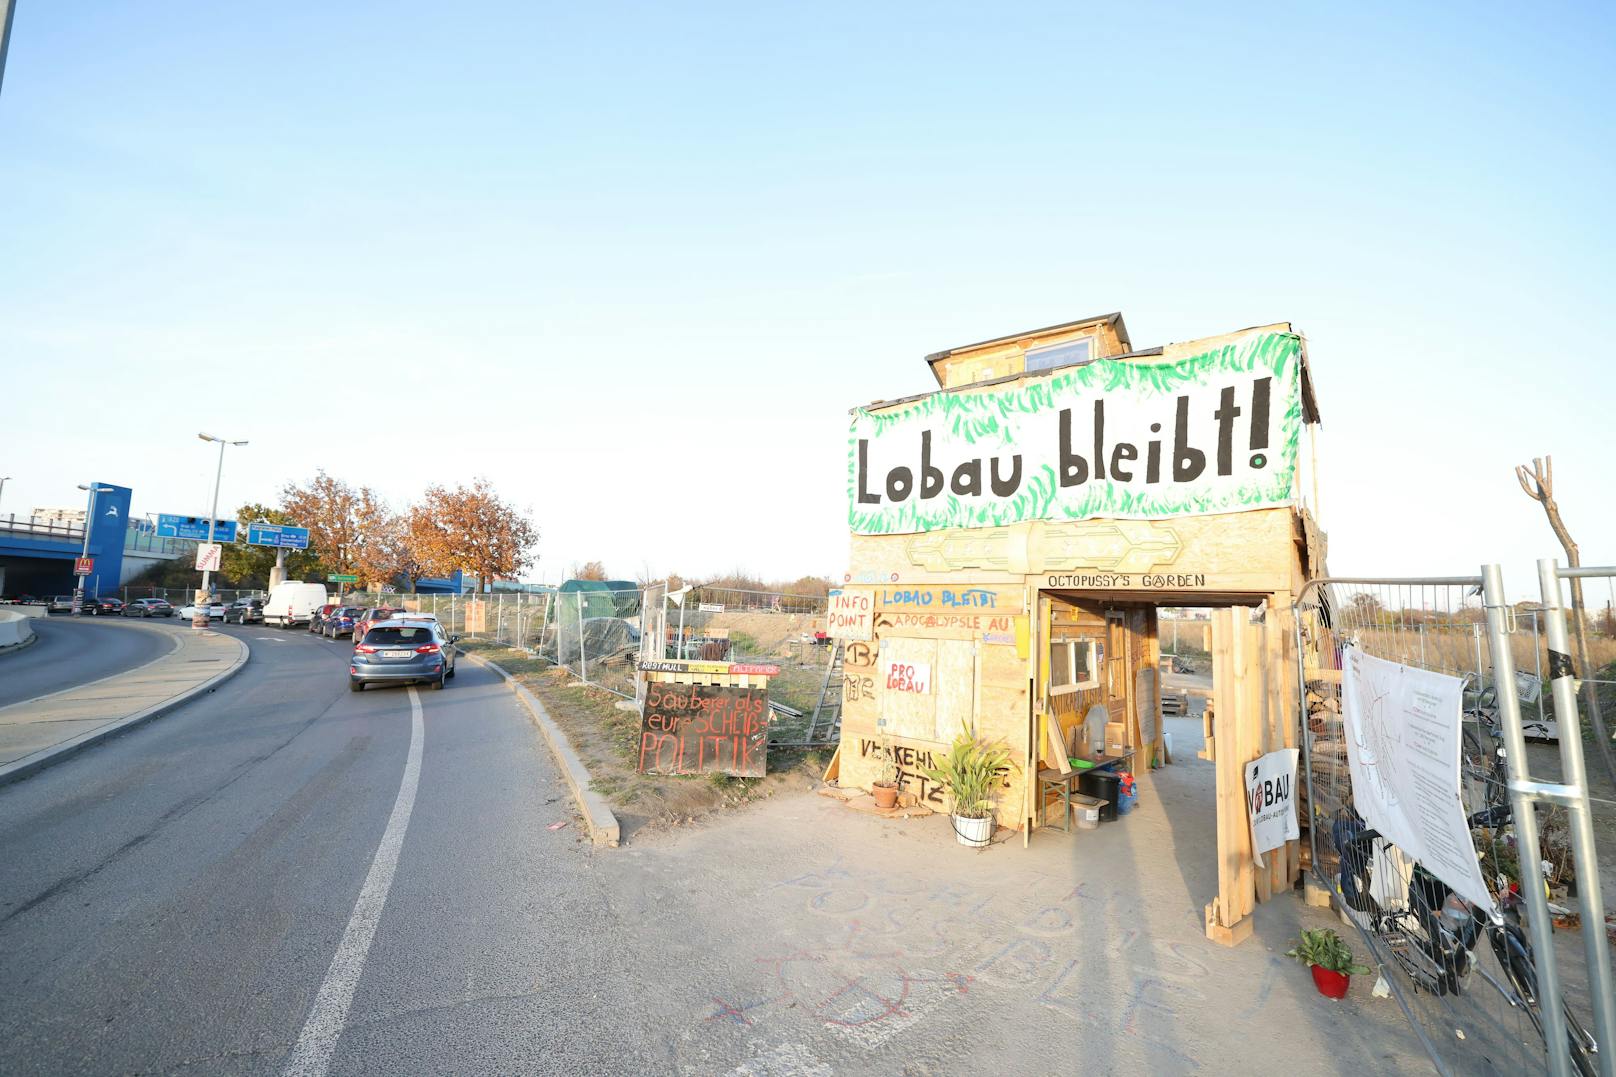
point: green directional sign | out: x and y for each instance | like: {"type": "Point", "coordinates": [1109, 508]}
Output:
{"type": "Point", "coordinates": [338, 577]}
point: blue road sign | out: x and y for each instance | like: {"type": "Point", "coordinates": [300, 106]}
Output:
{"type": "Point", "coordinates": [195, 527]}
{"type": "Point", "coordinates": [284, 536]}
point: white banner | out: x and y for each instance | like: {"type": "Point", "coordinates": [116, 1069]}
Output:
{"type": "Point", "coordinates": [1402, 727]}
{"type": "Point", "coordinates": [1208, 433]}
{"type": "Point", "coordinates": [208, 555]}
{"type": "Point", "coordinates": [1271, 801]}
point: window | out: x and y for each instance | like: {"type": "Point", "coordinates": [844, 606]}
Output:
{"type": "Point", "coordinates": [386, 637]}
{"type": "Point", "coordinates": [1072, 665]}
{"type": "Point", "coordinates": [1066, 353]}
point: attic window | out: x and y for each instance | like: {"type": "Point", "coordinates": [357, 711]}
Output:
{"type": "Point", "coordinates": [1065, 353]}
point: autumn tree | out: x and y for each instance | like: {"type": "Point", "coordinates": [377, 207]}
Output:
{"type": "Point", "coordinates": [471, 529]}
{"type": "Point", "coordinates": [591, 570]}
{"type": "Point", "coordinates": [350, 530]}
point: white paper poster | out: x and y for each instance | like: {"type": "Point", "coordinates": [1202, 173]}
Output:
{"type": "Point", "coordinates": [1271, 800]}
{"type": "Point", "coordinates": [851, 615]}
{"type": "Point", "coordinates": [1402, 728]}
{"type": "Point", "coordinates": [208, 556]}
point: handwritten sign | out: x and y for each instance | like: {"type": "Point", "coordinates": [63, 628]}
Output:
{"type": "Point", "coordinates": [704, 729]}
{"type": "Point", "coordinates": [851, 615]}
{"type": "Point", "coordinates": [678, 665]}
{"type": "Point", "coordinates": [904, 676]}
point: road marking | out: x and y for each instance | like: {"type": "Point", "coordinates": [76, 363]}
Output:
{"type": "Point", "coordinates": [311, 1057]}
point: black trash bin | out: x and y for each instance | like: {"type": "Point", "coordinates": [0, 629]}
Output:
{"type": "Point", "coordinates": [1103, 785]}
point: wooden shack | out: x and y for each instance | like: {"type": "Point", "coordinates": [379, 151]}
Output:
{"type": "Point", "coordinates": [1014, 532]}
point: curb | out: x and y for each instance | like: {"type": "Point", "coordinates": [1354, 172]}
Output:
{"type": "Point", "coordinates": [15, 648]}
{"type": "Point", "coordinates": [23, 768]}
{"type": "Point", "coordinates": [598, 816]}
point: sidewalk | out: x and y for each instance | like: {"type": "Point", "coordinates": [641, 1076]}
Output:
{"type": "Point", "coordinates": [38, 732]}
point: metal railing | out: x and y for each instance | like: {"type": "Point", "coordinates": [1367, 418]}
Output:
{"type": "Point", "coordinates": [1480, 998]}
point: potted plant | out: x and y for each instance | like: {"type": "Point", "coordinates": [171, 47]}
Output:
{"type": "Point", "coordinates": [1330, 959]}
{"type": "Point", "coordinates": [970, 773]}
{"type": "Point", "coordinates": [885, 788]}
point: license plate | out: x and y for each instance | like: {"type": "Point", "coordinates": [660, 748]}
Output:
{"type": "Point", "coordinates": [397, 654]}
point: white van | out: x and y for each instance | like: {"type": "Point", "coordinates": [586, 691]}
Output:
{"type": "Point", "coordinates": [293, 603]}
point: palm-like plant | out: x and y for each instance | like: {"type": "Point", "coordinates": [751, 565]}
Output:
{"type": "Point", "coordinates": [970, 772]}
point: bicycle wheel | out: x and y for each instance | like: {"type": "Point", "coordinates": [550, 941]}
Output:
{"type": "Point", "coordinates": [1514, 955]}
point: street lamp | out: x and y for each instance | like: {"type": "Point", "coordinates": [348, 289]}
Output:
{"type": "Point", "coordinates": [89, 521]}
{"type": "Point", "coordinates": [199, 618]}
{"type": "Point", "coordinates": [3, 480]}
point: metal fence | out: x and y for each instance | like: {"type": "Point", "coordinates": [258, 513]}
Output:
{"type": "Point", "coordinates": [1485, 994]}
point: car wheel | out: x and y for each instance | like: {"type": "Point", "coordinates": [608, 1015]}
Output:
{"type": "Point", "coordinates": [356, 686]}
{"type": "Point", "coordinates": [451, 672]}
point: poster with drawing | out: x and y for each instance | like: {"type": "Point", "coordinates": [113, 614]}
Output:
{"type": "Point", "coordinates": [1271, 801]}
{"type": "Point", "coordinates": [1402, 728]}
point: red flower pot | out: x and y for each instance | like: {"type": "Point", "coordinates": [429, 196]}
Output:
{"type": "Point", "coordinates": [886, 796]}
{"type": "Point", "coordinates": [1330, 984]}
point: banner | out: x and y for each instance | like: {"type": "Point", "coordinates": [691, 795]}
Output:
{"type": "Point", "coordinates": [1271, 801]}
{"type": "Point", "coordinates": [1402, 727]}
{"type": "Point", "coordinates": [1215, 432]}
{"type": "Point", "coordinates": [704, 729]}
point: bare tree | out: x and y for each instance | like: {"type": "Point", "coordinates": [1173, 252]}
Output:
{"type": "Point", "coordinates": [1539, 486]}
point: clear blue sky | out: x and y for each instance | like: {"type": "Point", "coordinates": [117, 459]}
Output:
{"type": "Point", "coordinates": [634, 263]}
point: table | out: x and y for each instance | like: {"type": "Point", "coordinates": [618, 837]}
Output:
{"type": "Point", "coordinates": [1051, 780]}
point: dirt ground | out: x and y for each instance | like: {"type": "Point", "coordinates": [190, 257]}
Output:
{"type": "Point", "coordinates": [606, 738]}
{"type": "Point", "coordinates": [821, 941]}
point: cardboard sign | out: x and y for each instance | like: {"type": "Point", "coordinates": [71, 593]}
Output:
{"type": "Point", "coordinates": [851, 615]}
{"type": "Point", "coordinates": [704, 729]}
{"type": "Point", "coordinates": [904, 676]}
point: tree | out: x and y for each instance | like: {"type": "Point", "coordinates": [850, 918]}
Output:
{"type": "Point", "coordinates": [350, 531]}
{"type": "Point", "coordinates": [471, 529]}
{"type": "Point", "coordinates": [248, 566]}
{"type": "Point", "coordinates": [592, 570]}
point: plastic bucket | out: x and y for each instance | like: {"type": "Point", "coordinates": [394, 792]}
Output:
{"type": "Point", "coordinates": [972, 833]}
{"type": "Point", "coordinates": [1087, 811]}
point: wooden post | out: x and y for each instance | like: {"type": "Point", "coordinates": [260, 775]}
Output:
{"type": "Point", "coordinates": [1228, 916]}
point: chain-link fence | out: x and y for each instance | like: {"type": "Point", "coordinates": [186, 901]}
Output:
{"type": "Point", "coordinates": [1467, 977]}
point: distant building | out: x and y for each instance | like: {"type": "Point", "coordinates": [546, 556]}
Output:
{"type": "Point", "coordinates": [75, 517]}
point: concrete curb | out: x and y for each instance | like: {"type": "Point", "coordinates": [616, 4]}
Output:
{"type": "Point", "coordinates": [23, 768]}
{"type": "Point", "coordinates": [598, 816]}
{"type": "Point", "coordinates": [18, 648]}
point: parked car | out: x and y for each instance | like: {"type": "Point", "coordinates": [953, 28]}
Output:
{"type": "Point", "coordinates": [245, 611]}
{"type": "Point", "coordinates": [59, 604]}
{"type": "Point", "coordinates": [402, 651]}
{"type": "Point", "coordinates": [317, 618]}
{"type": "Point", "coordinates": [215, 611]}
{"type": "Point", "coordinates": [341, 622]}
{"type": "Point", "coordinates": [149, 607]}
{"type": "Point", "coordinates": [110, 607]}
{"type": "Point", "coordinates": [293, 603]}
{"type": "Point", "coordinates": [371, 616]}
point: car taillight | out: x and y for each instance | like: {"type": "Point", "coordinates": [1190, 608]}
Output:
{"type": "Point", "coordinates": [430, 648]}
{"type": "Point", "coordinates": [362, 649]}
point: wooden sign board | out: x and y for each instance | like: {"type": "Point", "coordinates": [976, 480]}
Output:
{"type": "Point", "coordinates": [851, 614]}
{"type": "Point", "coordinates": [704, 729]}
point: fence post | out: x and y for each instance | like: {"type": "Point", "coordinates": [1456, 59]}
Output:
{"type": "Point", "coordinates": [583, 659]}
{"type": "Point", "coordinates": [1573, 767]}
{"type": "Point", "coordinates": [1530, 855]}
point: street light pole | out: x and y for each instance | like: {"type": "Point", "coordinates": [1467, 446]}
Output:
{"type": "Point", "coordinates": [199, 618]}
{"type": "Point", "coordinates": [89, 521]}
{"type": "Point", "coordinates": [3, 478]}
{"type": "Point", "coordinates": [7, 8]}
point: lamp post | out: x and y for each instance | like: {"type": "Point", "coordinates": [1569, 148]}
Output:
{"type": "Point", "coordinates": [199, 618]}
{"type": "Point", "coordinates": [3, 480]}
{"type": "Point", "coordinates": [89, 520]}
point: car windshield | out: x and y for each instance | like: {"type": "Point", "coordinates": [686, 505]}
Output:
{"type": "Point", "coordinates": [389, 635]}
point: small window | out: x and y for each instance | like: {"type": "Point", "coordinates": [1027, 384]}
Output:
{"type": "Point", "coordinates": [1071, 666]}
{"type": "Point", "coordinates": [1067, 353]}
{"type": "Point", "coordinates": [387, 636]}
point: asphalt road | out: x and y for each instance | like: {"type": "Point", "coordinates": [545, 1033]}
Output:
{"type": "Point", "coordinates": [71, 651]}
{"type": "Point", "coordinates": [173, 900]}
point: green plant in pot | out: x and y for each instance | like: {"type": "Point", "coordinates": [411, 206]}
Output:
{"type": "Point", "coordinates": [885, 788]}
{"type": "Point", "coordinates": [970, 772]}
{"type": "Point", "coordinates": [1329, 958]}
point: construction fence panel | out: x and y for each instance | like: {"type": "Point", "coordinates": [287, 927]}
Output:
{"type": "Point", "coordinates": [1460, 983]}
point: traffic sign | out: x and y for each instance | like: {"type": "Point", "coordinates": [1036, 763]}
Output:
{"type": "Point", "coordinates": [194, 527]}
{"type": "Point", "coordinates": [284, 536]}
{"type": "Point", "coordinates": [83, 566]}
{"type": "Point", "coordinates": [208, 555]}
{"type": "Point", "coordinates": [340, 577]}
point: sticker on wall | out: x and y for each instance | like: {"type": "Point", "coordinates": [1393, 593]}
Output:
{"type": "Point", "coordinates": [912, 677]}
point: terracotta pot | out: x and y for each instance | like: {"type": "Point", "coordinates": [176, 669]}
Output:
{"type": "Point", "coordinates": [1330, 984]}
{"type": "Point", "coordinates": [886, 796]}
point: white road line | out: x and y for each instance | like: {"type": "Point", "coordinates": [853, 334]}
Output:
{"type": "Point", "coordinates": [327, 1018]}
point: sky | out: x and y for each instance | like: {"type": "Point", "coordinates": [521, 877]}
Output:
{"type": "Point", "coordinates": [634, 263]}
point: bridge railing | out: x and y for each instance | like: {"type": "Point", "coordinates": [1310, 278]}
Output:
{"type": "Point", "coordinates": [40, 527]}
